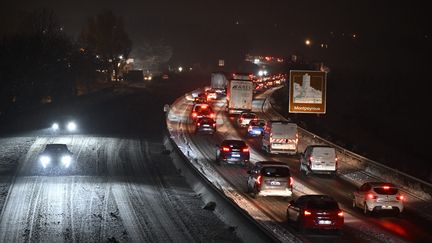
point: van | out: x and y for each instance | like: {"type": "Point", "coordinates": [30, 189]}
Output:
{"type": "Point", "coordinates": [320, 159]}
{"type": "Point", "coordinates": [280, 137]}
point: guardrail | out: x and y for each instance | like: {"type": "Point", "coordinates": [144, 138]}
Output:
{"type": "Point", "coordinates": [245, 226]}
{"type": "Point", "coordinates": [414, 186]}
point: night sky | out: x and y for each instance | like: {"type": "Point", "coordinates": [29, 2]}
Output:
{"type": "Point", "coordinates": [199, 29]}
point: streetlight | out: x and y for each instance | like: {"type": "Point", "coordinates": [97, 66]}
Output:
{"type": "Point", "coordinates": [308, 42]}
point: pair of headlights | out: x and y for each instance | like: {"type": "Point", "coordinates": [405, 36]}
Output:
{"type": "Point", "coordinates": [65, 160]}
{"type": "Point", "coordinates": [70, 126]}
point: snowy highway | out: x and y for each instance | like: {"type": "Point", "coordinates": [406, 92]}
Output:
{"type": "Point", "coordinates": [118, 188]}
{"type": "Point", "coordinates": [271, 212]}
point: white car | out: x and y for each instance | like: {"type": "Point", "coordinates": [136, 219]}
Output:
{"type": "Point", "coordinates": [245, 117]}
{"type": "Point", "coordinates": [320, 159]}
{"type": "Point", "coordinates": [378, 196]}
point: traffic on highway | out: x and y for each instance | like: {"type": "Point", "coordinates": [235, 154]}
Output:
{"type": "Point", "coordinates": [293, 185]}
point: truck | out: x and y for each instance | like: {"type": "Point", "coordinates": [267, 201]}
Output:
{"type": "Point", "coordinates": [218, 82]}
{"type": "Point", "coordinates": [239, 94]}
{"type": "Point", "coordinates": [280, 137]}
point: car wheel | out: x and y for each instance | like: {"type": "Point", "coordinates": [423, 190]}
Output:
{"type": "Point", "coordinates": [300, 226]}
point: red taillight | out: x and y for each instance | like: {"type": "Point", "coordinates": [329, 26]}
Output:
{"type": "Point", "coordinates": [291, 181]}
{"type": "Point", "coordinates": [214, 124]}
{"type": "Point", "coordinates": [310, 158]}
{"type": "Point", "coordinates": [245, 150]}
{"type": "Point", "coordinates": [249, 128]}
{"type": "Point", "coordinates": [336, 159]}
{"type": "Point", "coordinates": [194, 114]}
{"type": "Point", "coordinates": [259, 180]}
{"type": "Point", "coordinates": [340, 214]}
{"type": "Point", "coordinates": [204, 107]}
{"type": "Point", "coordinates": [386, 187]}
{"type": "Point", "coordinates": [371, 196]}
{"type": "Point", "coordinates": [400, 198]}
{"type": "Point", "coordinates": [225, 149]}
{"type": "Point", "coordinates": [212, 115]}
{"type": "Point", "coordinates": [307, 213]}
{"type": "Point", "coordinates": [198, 124]}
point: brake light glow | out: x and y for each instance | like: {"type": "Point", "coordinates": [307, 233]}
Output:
{"type": "Point", "coordinates": [214, 124]}
{"type": "Point", "coordinates": [245, 150]}
{"type": "Point", "coordinates": [198, 124]}
{"type": "Point", "coordinates": [194, 114]}
{"type": "Point", "coordinates": [212, 115]}
{"type": "Point", "coordinates": [204, 107]}
{"type": "Point", "coordinates": [310, 158]}
{"type": "Point", "coordinates": [386, 187]}
{"type": "Point", "coordinates": [225, 149]}
{"type": "Point", "coordinates": [341, 214]}
{"type": "Point", "coordinates": [400, 198]}
{"type": "Point", "coordinates": [371, 196]}
{"type": "Point", "coordinates": [307, 213]}
{"type": "Point", "coordinates": [259, 180]}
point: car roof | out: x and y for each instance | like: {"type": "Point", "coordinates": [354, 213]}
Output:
{"type": "Point", "coordinates": [270, 163]}
{"type": "Point", "coordinates": [381, 183]}
{"type": "Point", "coordinates": [320, 146]}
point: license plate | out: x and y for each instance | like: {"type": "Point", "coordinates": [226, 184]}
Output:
{"type": "Point", "coordinates": [386, 207]}
{"type": "Point", "coordinates": [236, 155]}
{"type": "Point", "coordinates": [206, 125]}
{"type": "Point", "coordinates": [325, 222]}
{"type": "Point", "coordinates": [275, 183]}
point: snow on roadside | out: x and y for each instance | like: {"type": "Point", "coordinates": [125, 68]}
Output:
{"type": "Point", "coordinates": [11, 150]}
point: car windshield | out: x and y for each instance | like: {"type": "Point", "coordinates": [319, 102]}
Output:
{"type": "Point", "coordinates": [386, 190]}
{"type": "Point", "coordinates": [276, 171]}
{"type": "Point", "coordinates": [56, 148]}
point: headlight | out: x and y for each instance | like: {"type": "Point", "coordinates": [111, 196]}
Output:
{"type": "Point", "coordinates": [71, 126]}
{"type": "Point", "coordinates": [45, 160]}
{"type": "Point", "coordinates": [66, 160]}
{"type": "Point", "coordinates": [55, 126]}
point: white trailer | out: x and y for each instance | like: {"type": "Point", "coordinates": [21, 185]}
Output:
{"type": "Point", "coordinates": [280, 137]}
{"type": "Point", "coordinates": [218, 82]}
{"type": "Point", "coordinates": [239, 96]}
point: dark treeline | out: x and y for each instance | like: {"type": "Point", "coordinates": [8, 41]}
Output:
{"type": "Point", "coordinates": [40, 64]}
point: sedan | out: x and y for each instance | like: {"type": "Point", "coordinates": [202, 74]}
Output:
{"type": "Point", "coordinates": [315, 212]}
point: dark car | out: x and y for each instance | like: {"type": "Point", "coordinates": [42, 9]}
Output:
{"type": "Point", "coordinates": [315, 212]}
{"type": "Point", "coordinates": [205, 124]}
{"type": "Point", "coordinates": [233, 152]}
{"type": "Point", "coordinates": [270, 178]}
{"type": "Point", "coordinates": [55, 155]}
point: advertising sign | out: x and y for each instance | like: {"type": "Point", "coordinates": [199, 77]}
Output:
{"type": "Point", "coordinates": [307, 91]}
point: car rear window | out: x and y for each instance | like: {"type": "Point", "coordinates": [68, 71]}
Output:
{"type": "Point", "coordinates": [386, 191]}
{"type": "Point", "coordinates": [322, 204]}
{"type": "Point", "coordinates": [249, 116]}
{"type": "Point", "coordinates": [276, 171]}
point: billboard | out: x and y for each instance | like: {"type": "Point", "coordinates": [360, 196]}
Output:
{"type": "Point", "coordinates": [307, 91]}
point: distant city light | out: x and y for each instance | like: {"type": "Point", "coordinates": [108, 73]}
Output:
{"type": "Point", "coordinates": [307, 42]}
{"type": "Point", "coordinates": [120, 57]}
{"type": "Point", "coordinates": [256, 60]}
{"type": "Point", "coordinates": [180, 69]}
